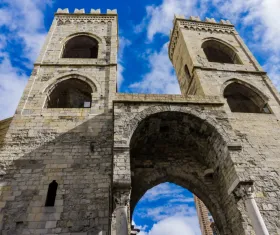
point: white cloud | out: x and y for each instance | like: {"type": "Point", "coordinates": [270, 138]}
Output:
{"type": "Point", "coordinates": [161, 78]}
{"type": "Point", "coordinates": [123, 43]}
{"type": "Point", "coordinates": [160, 17]}
{"type": "Point", "coordinates": [162, 212]}
{"type": "Point", "coordinates": [175, 226]}
{"type": "Point", "coordinates": [24, 23]}
{"type": "Point", "coordinates": [167, 191]}
{"type": "Point", "coordinates": [12, 83]}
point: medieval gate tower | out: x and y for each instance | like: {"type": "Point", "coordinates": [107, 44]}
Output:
{"type": "Point", "coordinates": [78, 156]}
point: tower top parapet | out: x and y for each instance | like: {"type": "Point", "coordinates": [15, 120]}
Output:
{"type": "Point", "coordinates": [196, 24]}
{"type": "Point", "coordinates": [82, 11]}
{"type": "Point", "coordinates": [197, 18]}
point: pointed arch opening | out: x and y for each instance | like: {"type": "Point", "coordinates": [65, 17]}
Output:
{"type": "Point", "coordinates": [70, 93]}
{"type": "Point", "coordinates": [219, 52]}
{"type": "Point", "coordinates": [243, 99]}
{"type": "Point", "coordinates": [81, 46]}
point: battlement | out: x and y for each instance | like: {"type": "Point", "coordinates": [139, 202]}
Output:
{"type": "Point", "coordinates": [197, 19]}
{"type": "Point", "coordinates": [82, 11]}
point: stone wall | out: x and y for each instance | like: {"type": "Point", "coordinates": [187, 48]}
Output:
{"type": "Point", "coordinates": [4, 126]}
{"type": "Point", "coordinates": [72, 146]}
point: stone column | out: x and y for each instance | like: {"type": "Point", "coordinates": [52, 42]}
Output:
{"type": "Point", "coordinates": [121, 199]}
{"type": "Point", "coordinates": [246, 191]}
{"type": "Point", "coordinates": [121, 188]}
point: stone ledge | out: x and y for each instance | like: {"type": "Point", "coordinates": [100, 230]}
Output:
{"type": "Point", "coordinates": [160, 98]}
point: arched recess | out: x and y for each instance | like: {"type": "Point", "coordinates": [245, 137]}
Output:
{"type": "Point", "coordinates": [81, 45]}
{"type": "Point", "coordinates": [71, 91]}
{"type": "Point", "coordinates": [90, 80]}
{"type": "Point", "coordinates": [220, 52]}
{"type": "Point", "coordinates": [181, 148]}
{"type": "Point", "coordinates": [244, 98]}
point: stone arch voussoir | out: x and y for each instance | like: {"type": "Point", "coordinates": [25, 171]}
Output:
{"type": "Point", "coordinates": [241, 81]}
{"type": "Point", "coordinates": [94, 84]}
{"type": "Point", "coordinates": [134, 122]}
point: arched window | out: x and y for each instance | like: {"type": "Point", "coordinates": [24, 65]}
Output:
{"type": "Point", "coordinates": [71, 93]}
{"type": "Point", "coordinates": [81, 47]}
{"type": "Point", "coordinates": [50, 200]}
{"type": "Point", "coordinates": [244, 100]}
{"type": "Point", "coordinates": [218, 52]}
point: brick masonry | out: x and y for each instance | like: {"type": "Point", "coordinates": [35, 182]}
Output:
{"type": "Point", "coordinates": [135, 140]}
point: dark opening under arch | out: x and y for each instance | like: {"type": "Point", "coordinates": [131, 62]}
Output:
{"type": "Point", "coordinates": [218, 52]}
{"type": "Point", "coordinates": [50, 200]}
{"type": "Point", "coordinates": [81, 47]}
{"type": "Point", "coordinates": [242, 99]}
{"type": "Point", "coordinates": [71, 93]}
{"type": "Point", "coordinates": [178, 148]}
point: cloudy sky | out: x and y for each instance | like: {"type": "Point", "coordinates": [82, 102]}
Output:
{"type": "Point", "coordinates": [143, 66]}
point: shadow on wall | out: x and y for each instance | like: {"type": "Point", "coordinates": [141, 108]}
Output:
{"type": "Point", "coordinates": [80, 161]}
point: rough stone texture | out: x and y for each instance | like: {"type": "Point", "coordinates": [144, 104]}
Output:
{"type": "Point", "coordinates": [127, 143]}
{"type": "Point", "coordinates": [71, 146]}
{"type": "Point", "coordinates": [4, 126]}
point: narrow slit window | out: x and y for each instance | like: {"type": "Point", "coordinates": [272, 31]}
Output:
{"type": "Point", "coordinates": [51, 194]}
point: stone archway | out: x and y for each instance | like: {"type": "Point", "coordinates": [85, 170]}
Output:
{"type": "Point", "coordinates": [179, 148]}
{"type": "Point", "coordinates": [180, 145]}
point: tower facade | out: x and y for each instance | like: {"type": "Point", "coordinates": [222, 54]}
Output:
{"type": "Point", "coordinates": [203, 217]}
{"type": "Point", "coordinates": [78, 156]}
{"type": "Point", "coordinates": [64, 127]}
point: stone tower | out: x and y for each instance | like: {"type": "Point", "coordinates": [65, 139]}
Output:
{"type": "Point", "coordinates": [203, 217]}
{"type": "Point", "coordinates": [62, 132]}
{"type": "Point", "coordinates": [77, 156]}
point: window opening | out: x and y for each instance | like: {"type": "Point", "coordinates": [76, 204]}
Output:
{"type": "Point", "coordinates": [81, 47]}
{"type": "Point", "coordinates": [220, 53]}
{"type": "Point", "coordinates": [71, 93]}
{"type": "Point", "coordinates": [244, 100]}
{"type": "Point", "coordinates": [187, 73]}
{"type": "Point", "coordinates": [51, 193]}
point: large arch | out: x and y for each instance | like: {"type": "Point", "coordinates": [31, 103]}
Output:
{"type": "Point", "coordinates": [181, 148]}
{"type": "Point", "coordinates": [218, 51]}
{"type": "Point", "coordinates": [245, 98]}
{"type": "Point", "coordinates": [90, 80]}
{"type": "Point", "coordinates": [70, 93]}
{"type": "Point", "coordinates": [81, 45]}
{"type": "Point", "coordinates": [81, 88]}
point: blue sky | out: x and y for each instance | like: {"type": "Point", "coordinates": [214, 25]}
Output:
{"type": "Point", "coordinates": [166, 209]}
{"type": "Point", "coordinates": [144, 66]}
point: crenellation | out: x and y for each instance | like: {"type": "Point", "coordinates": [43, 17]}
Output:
{"type": "Point", "coordinates": [95, 11]}
{"type": "Point", "coordinates": [226, 22]}
{"type": "Point", "coordinates": [79, 11]}
{"type": "Point", "coordinates": [82, 11]}
{"type": "Point", "coordinates": [195, 18]}
{"type": "Point", "coordinates": [111, 12]}
{"type": "Point", "coordinates": [64, 11]}
{"type": "Point", "coordinates": [210, 20]}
